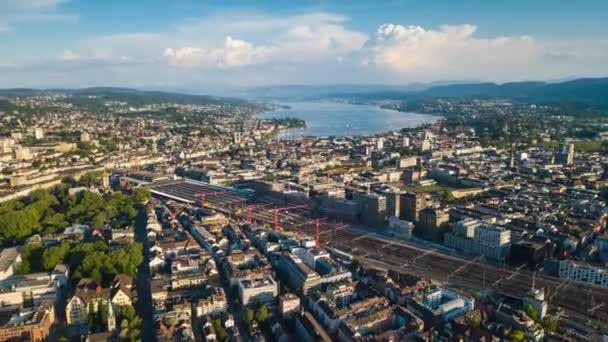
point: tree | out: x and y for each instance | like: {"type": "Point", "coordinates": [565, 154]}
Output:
{"type": "Point", "coordinates": [549, 324]}
{"type": "Point", "coordinates": [141, 194]}
{"type": "Point", "coordinates": [517, 335]}
{"type": "Point", "coordinates": [531, 312]}
{"type": "Point", "coordinates": [261, 315]}
{"type": "Point", "coordinates": [249, 316]}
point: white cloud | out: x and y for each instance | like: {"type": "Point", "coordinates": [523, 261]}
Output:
{"type": "Point", "coordinates": [304, 39]}
{"type": "Point", "coordinates": [239, 49]}
{"type": "Point", "coordinates": [451, 51]}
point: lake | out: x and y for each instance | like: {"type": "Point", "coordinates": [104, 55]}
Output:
{"type": "Point", "coordinates": [343, 119]}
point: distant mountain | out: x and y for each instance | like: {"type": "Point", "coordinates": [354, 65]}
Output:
{"type": "Point", "coordinates": [126, 94]}
{"type": "Point", "coordinates": [590, 92]}
{"type": "Point", "coordinates": [312, 92]}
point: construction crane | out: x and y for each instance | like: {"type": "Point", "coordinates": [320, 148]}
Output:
{"type": "Point", "coordinates": [276, 212]}
{"type": "Point", "coordinates": [250, 211]}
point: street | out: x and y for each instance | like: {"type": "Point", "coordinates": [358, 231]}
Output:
{"type": "Point", "coordinates": [144, 296]}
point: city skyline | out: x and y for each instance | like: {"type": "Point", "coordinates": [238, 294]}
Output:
{"type": "Point", "coordinates": [208, 46]}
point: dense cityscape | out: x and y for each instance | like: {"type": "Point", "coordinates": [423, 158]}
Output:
{"type": "Point", "coordinates": [137, 218]}
{"type": "Point", "coordinates": [313, 170]}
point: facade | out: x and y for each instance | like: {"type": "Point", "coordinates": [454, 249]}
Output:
{"type": "Point", "coordinates": [38, 133]}
{"type": "Point", "coordinates": [432, 224]}
{"type": "Point", "coordinates": [297, 274]}
{"type": "Point", "coordinates": [213, 304]}
{"type": "Point", "coordinates": [27, 324]}
{"type": "Point", "coordinates": [264, 289]}
{"type": "Point", "coordinates": [583, 272]}
{"type": "Point", "coordinates": [411, 205]}
{"type": "Point", "coordinates": [288, 304]}
{"type": "Point", "coordinates": [372, 210]}
{"type": "Point", "coordinates": [400, 228]}
{"type": "Point", "coordinates": [565, 154]}
{"type": "Point", "coordinates": [9, 258]}
{"type": "Point", "coordinates": [476, 238]}
{"type": "Point", "coordinates": [392, 204]}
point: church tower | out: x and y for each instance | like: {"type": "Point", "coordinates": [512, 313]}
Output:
{"type": "Point", "coordinates": [111, 317]}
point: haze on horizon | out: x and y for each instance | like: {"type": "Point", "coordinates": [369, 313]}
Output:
{"type": "Point", "coordinates": [209, 45]}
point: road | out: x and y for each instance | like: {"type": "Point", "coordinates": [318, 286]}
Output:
{"type": "Point", "coordinates": [144, 295]}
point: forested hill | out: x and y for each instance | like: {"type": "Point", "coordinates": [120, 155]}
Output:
{"type": "Point", "coordinates": [130, 95]}
{"type": "Point", "coordinates": [592, 92]}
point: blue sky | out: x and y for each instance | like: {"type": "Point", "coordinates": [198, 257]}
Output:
{"type": "Point", "coordinates": [204, 45]}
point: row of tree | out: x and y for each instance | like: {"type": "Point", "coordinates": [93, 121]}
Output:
{"type": "Point", "coordinates": [52, 210]}
{"type": "Point", "coordinates": [92, 259]}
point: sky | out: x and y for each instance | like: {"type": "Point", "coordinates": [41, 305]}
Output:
{"type": "Point", "coordinates": [214, 46]}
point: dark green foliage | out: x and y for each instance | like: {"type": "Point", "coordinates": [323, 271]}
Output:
{"type": "Point", "coordinates": [51, 211]}
{"type": "Point", "coordinates": [91, 259]}
{"type": "Point", "coordinates": [220, 331]}
{"type": "Point", "coordinates": [141, 195]}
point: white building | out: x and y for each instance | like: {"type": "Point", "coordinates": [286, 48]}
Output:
{"type": "Point", "coordinates": [264, 289]}
{"type": "Point", "coordinates": [583, 272]}
{"type": "Point", "coordinates": [38, 133]}
{"type": "Point", "coordinates": [214, 304]}
{"type": "Point", "coordinates": [477, 238]}
{"type": "Point", "coordinates": [9, 258]}
{"type": "Point", "coordinates": [400, 228]}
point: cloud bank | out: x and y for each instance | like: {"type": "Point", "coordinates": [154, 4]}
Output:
{"type": "Point", "coordinates": [244, 49]}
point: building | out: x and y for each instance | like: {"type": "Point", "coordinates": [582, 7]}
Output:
{"type": "Point", "coordinates": [289, 304]}
{"type": "Point", "coordinates": [85, 137]}
{"type": "Point", "coordinates": [583, 272]}
{"type": "Point", "coordinates": [400, 228]}
{"type": "Point", "coordinates": [432, 224]}
{"type": "Point", "coordinates": [392, 204]}
{"type": "Point", "coordinates": [264, 289]}
{"type": "Point", "coordinates": [308, 329]}
{"type": "Point", "coordinates": [88, 296]}
{"type": "Point", "coordinates": [9, 258]}
{"type": "Point", "coordinates": [410, 206]}
{"type": "Point", "coordinates": [372, 210]}
{"type": "Point", "coordinates": [26, 324]}
{"type": "Point", "coordinates": [38, 133]}
{"type": "Point", "coordinates": [213, 304]}
{"type": "Point", "coordinates": [565, 154]}
{"type": "Point", "coordinates": [442, 304]}
{"type": "Point", "coordinates": [477, 238]}
{"type": "Point", "coordinates": [297, 274]}
{"type": "Point", "coordinates": [21, 153]}
{"type": "Point", "coordinates": [601, 243]}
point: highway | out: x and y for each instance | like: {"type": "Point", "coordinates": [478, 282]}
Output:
{"type": "Point", "coordinates": [576, 298]}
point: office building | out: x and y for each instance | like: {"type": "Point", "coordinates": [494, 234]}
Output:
{"type": "Point", "coordinates": [264, 289]}
{"type": "Point", "coordinates": [477, 238]}
{"type": "Point", "coordinates": [432, 224]}
{"type": "Point", "coordinates": [372, 210]}
{"type": "Point", "coordinates": [565, 154]}
{"type": "Point", "coordinates": [410, 206]}
{"type": "Point", "coordinates": [392, 204]}
{"type": "Point", "coordinates": [583, 272]}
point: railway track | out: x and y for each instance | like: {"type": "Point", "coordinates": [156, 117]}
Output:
{"type": "Point", "coordinates": [577, 299]}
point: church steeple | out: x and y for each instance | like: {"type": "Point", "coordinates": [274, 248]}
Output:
{"type": "Point", "coordinates": [111, 317]}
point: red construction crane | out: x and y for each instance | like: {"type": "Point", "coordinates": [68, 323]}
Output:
{"type": "Point", "coordinates": [276, 212]}
{"type": "Point", "coordinates": [173, 216]}
{"type": "Point", "coordinates": [250, 210]}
